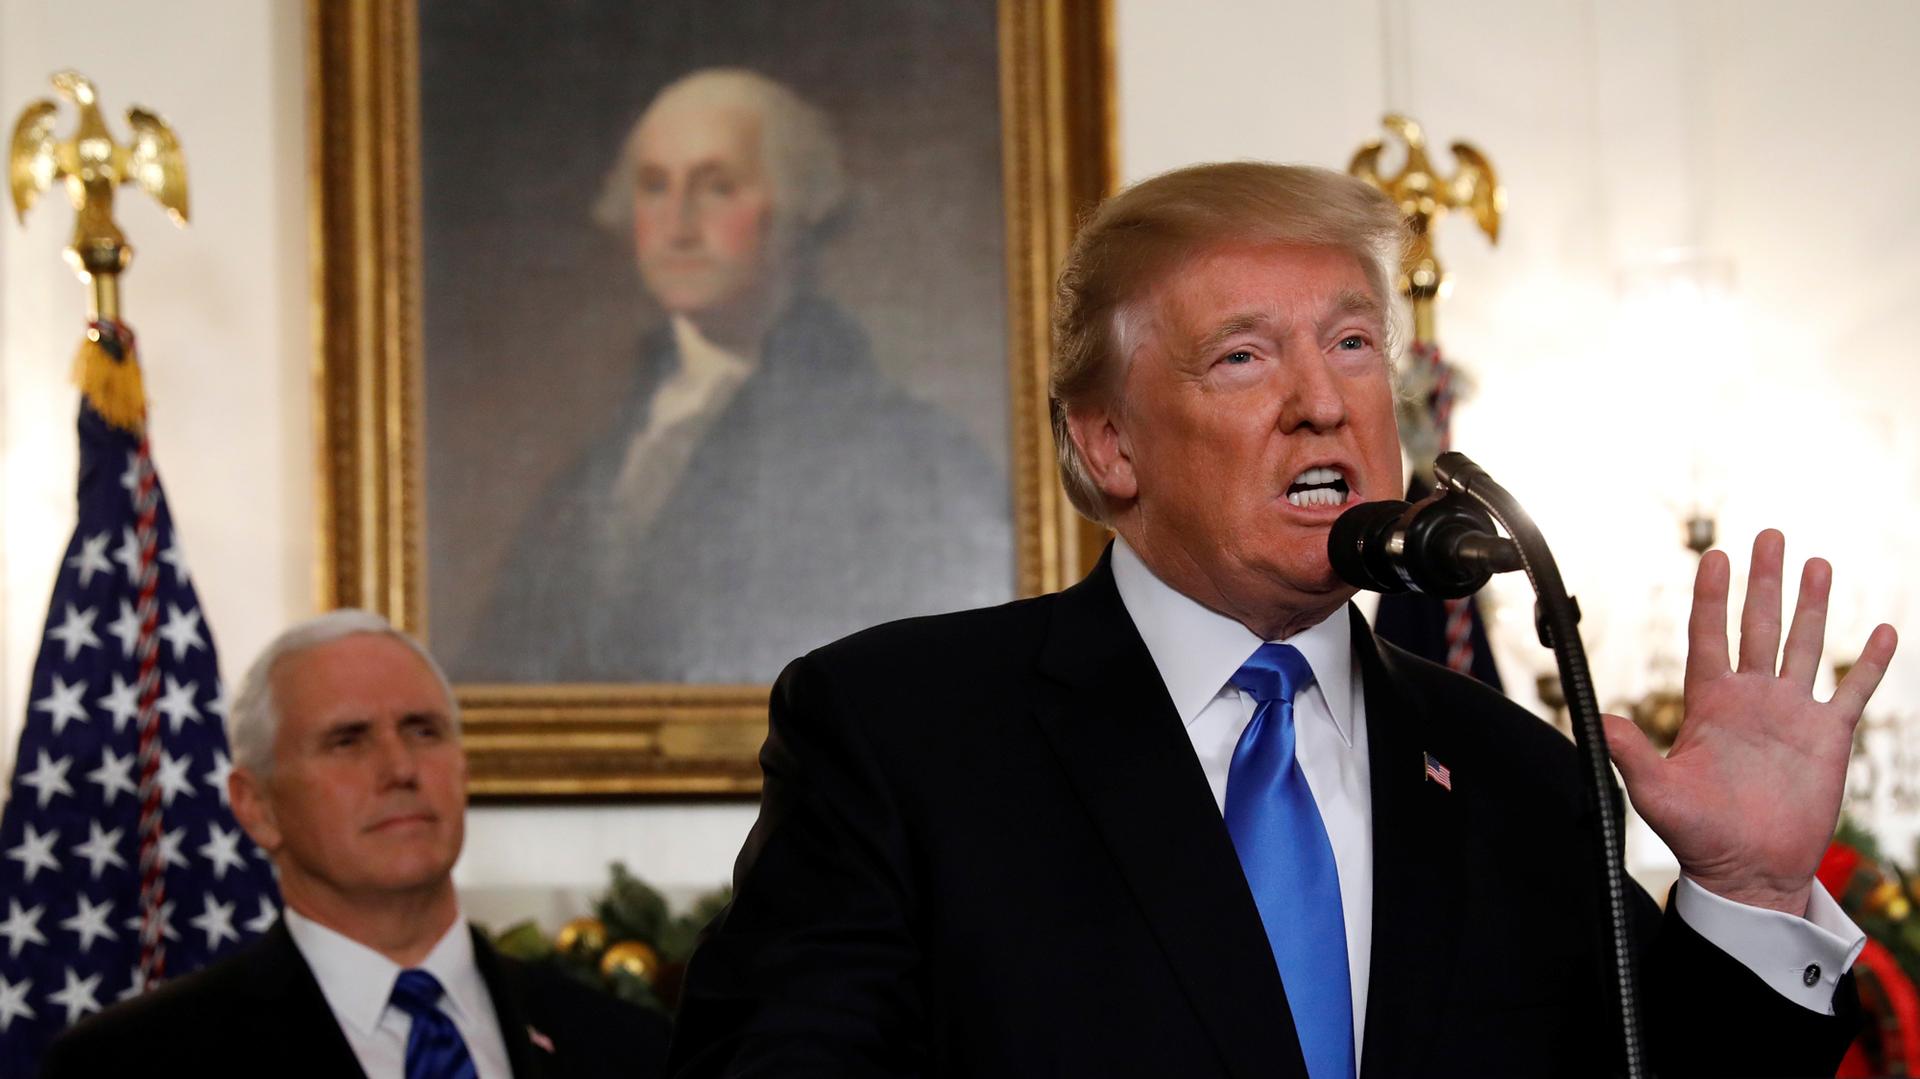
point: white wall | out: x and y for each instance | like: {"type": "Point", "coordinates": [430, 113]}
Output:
{"type": "Point", "coordinates": [1765, 133]}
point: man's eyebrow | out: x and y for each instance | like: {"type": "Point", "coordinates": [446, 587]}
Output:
{"type": "Point", "coordinates": [1355, 302]}
{"type": "Point", "coordinates": [346, 726]}
{"type": "Point", "coordinates": [1234, 326]}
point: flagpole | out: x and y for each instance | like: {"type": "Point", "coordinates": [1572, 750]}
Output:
{"type": "Point", "coordinates": [91, 166]}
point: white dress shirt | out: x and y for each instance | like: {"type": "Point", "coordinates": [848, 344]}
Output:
{"type": "Point", "coordinates": [1197, 651]}
{"type": "Point", "coordinates": [690, 398]}
{"type": "Point", "coordinates": [358, 983]}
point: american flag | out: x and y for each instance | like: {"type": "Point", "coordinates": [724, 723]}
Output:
{"type": "Point", "coordinates": [1438, 772]}
{"type": "Point", "coordinates": [71, 904]}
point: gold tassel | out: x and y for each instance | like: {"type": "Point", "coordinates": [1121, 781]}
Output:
{"type": "Point", "coordinates": [113, 387]}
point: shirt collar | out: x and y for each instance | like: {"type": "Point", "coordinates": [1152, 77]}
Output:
{"type": "Point", "coordinates": [1197, 650]}
{"type": "Point", "coordinates": [358, 981]}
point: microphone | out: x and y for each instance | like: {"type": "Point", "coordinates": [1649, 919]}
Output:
{"type": "Point", "coordinates": [1442, 546]}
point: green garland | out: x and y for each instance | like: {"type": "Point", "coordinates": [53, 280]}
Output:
{"type": "Point", "coordinates": [632, 946]}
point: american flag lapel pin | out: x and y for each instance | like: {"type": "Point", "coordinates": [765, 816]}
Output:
{"type": "Point", "coordinates": [1438, 772]}
{"type": "Point", "coordinates": [539, 1039]}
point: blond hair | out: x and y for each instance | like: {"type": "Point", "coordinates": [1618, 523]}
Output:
{"type": "Point", "coordinates": [1141, 236]}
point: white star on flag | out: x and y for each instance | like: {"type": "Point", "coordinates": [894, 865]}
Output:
{"type": "Point", "coordinates": [35, 851]}
{"type": "Point", "coordinates": [22, 927]}
{"type": "Point", "coordinates": [169, 855]}
{"type": "Point", "coordinates": [77, 996]}
{"type": "Point", "coordinates": [217, 777]}
{"type": "Point", "coordinates": [92, 558]}
{"type": "Point", "coordinates": [123, 703]}
{"type": "Point", "coordinates": [182, 631]}
{"type": "Point", "coordinates": [101, 849]}
{"type": "Point", "coordinates": [126, 629]}
{"type": "Point", "coordinates": [114, 775]}
{"type": "Point", "coordinates": [264, 920]}
{"type": "Point", "coordinates": [13, 1002]}
{"type": "Point", "coordinates": [130, 479]}
{"type": "Point", "coordinates": [174, 557]}
{"type": "Point", "coordinates": [76, 631]}
{"type": "Point", "coordinates": [49, 779]}
{"type": "Point", "coordinates": [216, 921]}
{"type": "Point", "coordinates": [177, 703]}
{"type": "Point", "coordinates": [90, 922]}
{"type": "Point", "coordinates": [222, 850]}
{"type": "Point", "coordinates": [128, 555]}
{"type": "Point", "coordinates": [173, 776]}
{"type": "Point", "coordinates": [165, 918]}
{"type": "Point", "coordinates": [62, 704]}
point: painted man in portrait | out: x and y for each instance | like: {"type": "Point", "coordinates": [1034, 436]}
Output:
{"type": "Point", "coordinates": [764, 487]}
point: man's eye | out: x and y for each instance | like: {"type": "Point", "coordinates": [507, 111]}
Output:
{"type": "Point", "coordinates": [1237, 357]}
{"type": "Point", "coordinates": [1353, 341]}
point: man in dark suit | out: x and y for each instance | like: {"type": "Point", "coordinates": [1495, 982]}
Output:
{"type": "Point", "coordinates": [1190, 818]}
{"type": "Point", "coordinates": [350, 775]}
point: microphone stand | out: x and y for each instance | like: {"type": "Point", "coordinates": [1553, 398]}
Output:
{"type": "Point", "coordinates": [1557, 619]}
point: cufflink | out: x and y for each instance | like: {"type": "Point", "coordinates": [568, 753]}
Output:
{"type": "Point", "coordinates": [1810, 977]}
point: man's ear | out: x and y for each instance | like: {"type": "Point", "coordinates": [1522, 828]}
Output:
{"type": "Point", "coordinates": [253, 808]}
{"type": "Point", "coordinates": [1097, 432]}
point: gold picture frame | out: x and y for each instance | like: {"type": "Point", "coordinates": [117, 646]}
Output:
{"type": "Point", "coordinates": [529, 741]}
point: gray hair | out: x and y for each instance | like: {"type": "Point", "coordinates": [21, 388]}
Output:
{"type": "Point", "coordinates": [253, 721]}
{"type": "Point", "coordinates": [1138, 238]}
{"type": "Point", "coordinates": [797, 144]}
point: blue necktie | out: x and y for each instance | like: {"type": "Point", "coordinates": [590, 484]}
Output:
{"type": "Point", "coordinates": [435, 1049]}
{"type": "Point", "coordinates": [1288, 860]}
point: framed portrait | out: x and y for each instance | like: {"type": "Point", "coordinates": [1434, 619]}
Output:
{"type": "Point", "coordinates": [662, 342]}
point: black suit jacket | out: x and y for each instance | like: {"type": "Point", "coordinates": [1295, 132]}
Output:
{"type": "Point", "coordinates": [986, 847]}
{"type": "Point", "coordinates": [260, 1012]}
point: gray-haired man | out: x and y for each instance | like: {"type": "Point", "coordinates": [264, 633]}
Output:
{"type": "Point", "coordinates": [350, 775]}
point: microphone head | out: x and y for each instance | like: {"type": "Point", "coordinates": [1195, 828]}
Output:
{"type": "Point", "coordinates": [1356, 544]}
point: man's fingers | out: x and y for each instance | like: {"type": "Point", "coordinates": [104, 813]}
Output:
{"type": "Point", "coordinates": [1809, 633]}
{"type": "Point", "coordinates": [1707, 627]}
{"type": "Point", "coordinates": [1760, 615]}
{"type": "Point", "coordinates": [1852, 693]}
{"type": "Point", "coordinates": [1632, 753]}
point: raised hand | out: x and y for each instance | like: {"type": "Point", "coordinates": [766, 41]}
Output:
{"type": "Point", "coordinates": [1748, 795]}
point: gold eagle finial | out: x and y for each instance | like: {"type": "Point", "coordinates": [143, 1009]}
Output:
{"type": "Point", "coordinates": [1424, 197]}
{"type": "Point", "coordinates": [91, 165]}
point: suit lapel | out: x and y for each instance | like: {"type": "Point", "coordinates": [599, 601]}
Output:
{"type": "Point", "coordinates": [1107, 715]}
{"type": "Point", "coordinates": [1417, 886]}
{"type": "Point", "coordinates": [293, 1015]}
{"type": "Point", "coordinates": [510, 1008]}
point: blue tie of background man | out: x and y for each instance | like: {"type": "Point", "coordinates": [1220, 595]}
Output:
{"type": "Point", "coordinates": [1288, 860]}
{"type": "Point", "coordinates": [435, 1049]}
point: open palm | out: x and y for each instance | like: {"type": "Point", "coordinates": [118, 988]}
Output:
{"type": "Point", "coordinates": [1748, 795]}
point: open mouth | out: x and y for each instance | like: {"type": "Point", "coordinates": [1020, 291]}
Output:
{"type": "Point", "coordinates": [1319, 487]}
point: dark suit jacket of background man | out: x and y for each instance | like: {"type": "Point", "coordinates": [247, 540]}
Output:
{"type": "Point", "coordinates": [823, 499]}
{"type": "Point", "coordinates": [261, 1013]}
{"type": "Point", "coordinates": [986, 848]}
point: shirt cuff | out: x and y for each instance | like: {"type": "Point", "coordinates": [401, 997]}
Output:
{"type": "Point", "coordinates": [1801, 958]}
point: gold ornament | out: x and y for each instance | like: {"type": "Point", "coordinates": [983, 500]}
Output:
{"type": "Point", "coordinates": [1887, 898]}
{"type": "Point", "coordinates": [585, 934]}
{"type": "Point", "coordinates": [633, 956]}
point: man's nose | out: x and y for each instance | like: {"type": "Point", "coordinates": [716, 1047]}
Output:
{"type": "Point", "coordinates": [683, 217]}
{"type": "Point", "coordinates": [1313, 395]}
{"type": "Point", "coordinates": [399, 767]}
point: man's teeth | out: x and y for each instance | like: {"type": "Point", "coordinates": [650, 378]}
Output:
{"type": "Point", "coordinates": [1318, 487]}
{"type": "Point", "coordinates": [1318, 496]}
